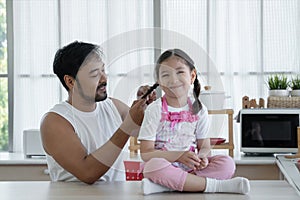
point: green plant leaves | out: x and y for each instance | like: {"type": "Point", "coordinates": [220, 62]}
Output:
{"type": "Point", "coordinates": [280, 82]}
{"type": "Point", "coordinates": [295, 83]}
{"type": "Point", "coordinates": [277, 82]}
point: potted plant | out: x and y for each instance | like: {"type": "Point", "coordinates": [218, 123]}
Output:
{"type": "Point", "coordinates": [278, 85]}
{"type": "Point", "coordinates": [295, 86]}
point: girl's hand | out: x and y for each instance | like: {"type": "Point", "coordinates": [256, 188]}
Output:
{"type": "Point", "coordinates": [190, 159]}
{"type": "Point", "coordinates": [203, 163]}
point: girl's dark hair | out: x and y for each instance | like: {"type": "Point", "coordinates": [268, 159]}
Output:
{"type": "Point", "coordinates": [68, 59]}
{"type": "Point", "coordinates": [197, 106]}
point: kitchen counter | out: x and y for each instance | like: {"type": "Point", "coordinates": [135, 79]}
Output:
{"type": "Point", "coordinates": [46, 190]}
{"type": "Point", "coordinates": [18, 158]}
{"type": "Point", "coordinates": [17, 167]}
{"type": "Point", "coordinates": [7, 158]}
{"type": "Point", "coordinates": [257, 167]}
{"type": "Point", "coordinates": [242, 159]}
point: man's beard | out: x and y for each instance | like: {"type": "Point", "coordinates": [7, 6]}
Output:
{"type": "Point", "coordinates": [103, 95]}
{"type": "Point", "coordinates": [97, 98]}
{"type": "Point", "coordinates": [100, 97]}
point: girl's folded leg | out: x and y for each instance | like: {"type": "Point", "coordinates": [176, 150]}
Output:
{"type": "Point", "coordinates": [219, 167]}
{"type": "Point", "coordinates": [162, 176]}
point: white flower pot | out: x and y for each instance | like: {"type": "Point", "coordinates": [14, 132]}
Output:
{"type": "Point", "coordinates": [295, 93]}
{"type": "Point", "coordinates": [279, 93]}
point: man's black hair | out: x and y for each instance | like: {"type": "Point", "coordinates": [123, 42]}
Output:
{"type": "Point", "coordinates": [68, 59]}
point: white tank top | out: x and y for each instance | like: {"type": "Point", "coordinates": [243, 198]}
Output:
{"type": "Point", "coordinates": [94, 129]}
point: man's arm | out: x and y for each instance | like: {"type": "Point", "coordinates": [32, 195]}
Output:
{"type": "Point", "coordinates": [62, 143]}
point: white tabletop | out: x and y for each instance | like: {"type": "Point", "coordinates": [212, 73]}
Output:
{"type": "Point", "coordinates": [131, 190]}
{"type": "Point", "coordinates": [289, 170]}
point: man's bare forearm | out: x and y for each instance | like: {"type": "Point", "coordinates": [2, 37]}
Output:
{"type": "Point", "coordinates": [109, 152]}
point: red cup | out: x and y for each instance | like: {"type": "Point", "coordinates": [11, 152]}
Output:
{"type": "Point", "coordinates": [133, 170]}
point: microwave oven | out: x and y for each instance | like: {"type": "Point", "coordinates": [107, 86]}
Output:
{"type": "Point", "coordinates": [269, 131]}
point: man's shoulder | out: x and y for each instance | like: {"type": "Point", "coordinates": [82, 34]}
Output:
{"type": "Point", "coordinates": [109, 103]}
{"type": "Point", "coordinates": [60, 111]}
{"type": "Point", "coordinates": [62, 106]}
{"type": "Point", "coordinates": [51, 116]}
{"type": "Point", "coordinates": [52, 119]}
{"type": "Point", "coordinates": [121, 107]}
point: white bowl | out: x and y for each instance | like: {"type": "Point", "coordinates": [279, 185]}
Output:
{"type": "Point", "coordinates": [213, 100]}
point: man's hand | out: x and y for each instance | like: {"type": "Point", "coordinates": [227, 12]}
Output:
{"type": "Point", "coordinates": [132, 123]}
{"type": "Point", "coordinates": [136, 111]}
{"type": "Point", "coordinates": [143, 90]}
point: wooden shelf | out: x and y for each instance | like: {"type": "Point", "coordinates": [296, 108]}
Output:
{"type": "Point", "coordinates": [224, 111]}
{"type": "Point", "coordinates": [223, 146]}
{"type": "Point", "coordinates": [229, 145]}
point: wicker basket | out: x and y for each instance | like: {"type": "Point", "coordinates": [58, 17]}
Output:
{"type": "Point", "coordinates": [283, 102]}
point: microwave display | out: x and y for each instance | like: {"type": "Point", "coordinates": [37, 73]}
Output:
{"type": "Point", "coordinates": [269, 130]}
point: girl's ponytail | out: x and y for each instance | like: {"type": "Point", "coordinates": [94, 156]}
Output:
{"type": "Point", "coordinates": [197, 106]}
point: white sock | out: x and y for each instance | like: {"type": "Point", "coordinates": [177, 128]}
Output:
{"type": "Point", "coordinates": [235, 185]}
{"type": "Point", "coordinates": [149, 187]}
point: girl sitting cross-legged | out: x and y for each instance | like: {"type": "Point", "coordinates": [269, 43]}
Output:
{"type": "Point", "coordinates": [173, 136]}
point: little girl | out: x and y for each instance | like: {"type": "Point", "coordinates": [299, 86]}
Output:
{"type": "Point", "coordinates": [173, 136]}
